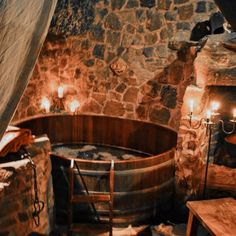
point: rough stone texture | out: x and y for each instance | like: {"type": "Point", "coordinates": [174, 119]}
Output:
{"type": "Point", "coordinates": [131, 95]}
{"type": "Point", "coordinates": [180, 1]}
{"type": "Point", "coordinates": [201, 6]}
{"type": "Point", "coordinates": [164, 4]}
{"type": "Point", "coordinates": [160, 115]}
{"type": "Point", "coordinates": [114, 108]}
{"type": "Point", "coordinates": [185, 12]}
{"type": "Point", "coordinates": [219, 68]}
{"type": "Point", "coordinates": [117, 4]}
{"type": "Point", "coordinates": [155, 21]}
{"type": "Point", "coordinates": [168, 96]}
{"type": "Point", "coordinates": [214, 66]}
{"type": "Point", "coordinates": [17, 193]}
{"type": "Point", "coordinates": [147, 3]}
{"type": "Point", "coordinates": [132, 3]}
{"type": "Point", "coordinates": [116, 46]}
{"type": "Point", "coordinates": [113, 22]}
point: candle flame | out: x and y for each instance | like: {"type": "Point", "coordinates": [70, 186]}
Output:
{"type": "Point", "coordinates": [215, 105]}
{"type": "Point", "coordinates": [234, 113]}
{"type": "Point", "coordinates": [208, 114]}
{"type": "Point", "coordinates": [45, 104]}
{"type": "Point", "coordinates": [74, 105]}
{"type": "Point", "coordinates": [191, 105]}
{"type": "Point", "coordinates": [60, 92]}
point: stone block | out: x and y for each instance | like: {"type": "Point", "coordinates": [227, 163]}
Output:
{"type": "Point", "coordinates": [132, 4]}
{"type": "Point", "coordinates": [152, 88]}
{"type": "Point", "coordinates": [159, 115]}
{"type": "Point", "coordinates": [155, 21]}
{"type": "Point", "coordinates": [167, 32]}
{"type": "Point", "coordinates": [89, 63]}
{"type": "Point", "coordinates": [148, 3]}
{"type": "Point", "coordinates": [212, 6]}
{"type": "Point", "coordinates": [201, 7]}
{"type": "Point", "coordinates": [131, 95]}
{"type": "Point", "coordinates": [130, 29]}
{"type": "Point", "coordinates": [97, 32]}
{"type": "Point", "coordinates": [127, 16]}
{"type": "Point", "coordinates": [113, 22]}
{"type": "Point", "coordinates": [23, 216]}
{"type": "Point", "coordinates": [114, 108]}
{"type": "Point", "coordinates": [121, 88]}
{"type": "Point", "coordinates": [140, 15]}
{"type": "Point", "coordinates": [141, 112]}
{"type": "Point", "coordinates": [150, 38]}
{"type": "Point", "coordinates": [99, 98]}
{"type": "Point", "coordinates": [186, 12]}
{"type": "Point", "coordinates": [148, 52]}
{"type": "Point", "coordinates": [85, 44]}
{"type": "Point", "coordinates": [183, 26]}
{"type": "Point", "coordinates": [117, 4]}
{"type": "Point", "coordinates": [91, 106]}
{"type": "Point", "coordinates": [114, 96]}
{"type": "Point", "coordinates": [137, 40]}
{"type": "Point", "coordinates": [171, 15]}
{"type": "Point", "coordinates": [127, 40]}
{"type": "Point", "coordinates": [168, 96]}
{"type": "Point", "coordinates": [99, 51]}
{"type": "Point", "coordinates": [103, 12]}
{"type": "Point", "coordinates": [162, 51]}
{"type": "Point", "coordinates": [176, 73]}
{"type": "Point", "coordinates": [180, 1]}
{"type": "Point", "coordinates": [164, 4]}
{"type": "Point", "coordinates": [110, 56]}
{"type": "Point", "coordinates": [113, 38]}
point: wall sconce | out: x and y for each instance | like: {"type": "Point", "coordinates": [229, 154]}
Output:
{"type": "Point", "coordinates": [210, 122]}
{"type": "Point", "coordinates": [58, 100]}
{"type": "Point", "coordinates": [59, 105]}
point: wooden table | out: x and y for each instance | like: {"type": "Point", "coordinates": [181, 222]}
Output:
{"type": "Point", "coordinates": [218, 216]}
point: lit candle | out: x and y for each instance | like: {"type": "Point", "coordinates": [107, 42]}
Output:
{"type": "Point", "coordinates": [215, 106]}
{"type": "Point", "coordinates": [234, 113]}
{"type": "Point", "coordinates": [45, 104]}
{"type": "Point", "coordinates": [74, 106]}
{"type": "Point", "coordinates": [208, 114]}
{"type": "Point", "coordinates": [191, 105]}
{"type": "Point", "coordinates": [60, 91]}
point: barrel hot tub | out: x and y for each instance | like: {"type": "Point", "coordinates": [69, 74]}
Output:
{"type": "Point", "coordinates": [143, 187]}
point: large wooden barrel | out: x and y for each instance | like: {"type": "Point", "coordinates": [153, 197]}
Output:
{"type": "Point", "coordinates": [143, 187]}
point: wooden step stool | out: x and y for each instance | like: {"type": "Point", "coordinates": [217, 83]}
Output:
{"type": "Point", "coordinates": [89, 198]}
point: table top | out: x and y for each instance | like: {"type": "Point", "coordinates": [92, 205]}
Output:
{"type": "Point", "coordinates": [218, 216]}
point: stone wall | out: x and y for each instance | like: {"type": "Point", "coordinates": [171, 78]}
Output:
{"type": "Point", "coordinates": [116, 58]}
{"type": "Point", "coordinates": [17, 193]}
{"type": "Point", "coordinates": [214, 68]}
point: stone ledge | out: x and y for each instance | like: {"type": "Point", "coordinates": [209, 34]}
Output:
{"type": "Point", "coordinates": [215, 64]}
{"type": "Point", "coordinates": [17, 192]}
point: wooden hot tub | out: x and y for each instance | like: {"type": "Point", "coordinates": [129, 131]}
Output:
{"type": "Point", "coordinates": [143, 187]}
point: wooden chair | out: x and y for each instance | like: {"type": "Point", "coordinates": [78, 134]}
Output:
{"type": "Point", "coordinates": [89, 198]}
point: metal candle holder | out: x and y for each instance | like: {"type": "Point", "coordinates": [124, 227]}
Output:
{"type": "Point", "coordinates": [210, 123]}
